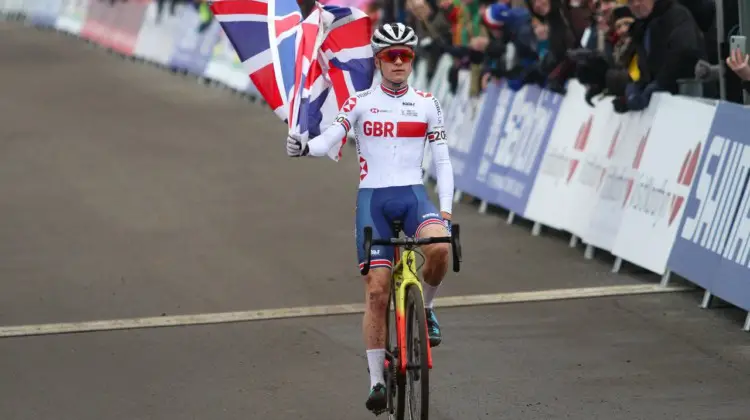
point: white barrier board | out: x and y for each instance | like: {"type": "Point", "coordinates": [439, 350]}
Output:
{"type": "Point", "coordinates": [662, 182]}
{"type": "Point", "coordinates": [623, 138]}
{"type": "Point", "coordinates": [550, 197]}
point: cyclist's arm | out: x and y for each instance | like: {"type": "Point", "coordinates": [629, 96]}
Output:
{"type": "Point", "coordinates": [440, 155]}
{"type": "Point", "coordinates": [320, 145]}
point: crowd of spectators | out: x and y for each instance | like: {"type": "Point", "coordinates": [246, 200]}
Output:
{"type": "Point", "coordinates": [624, 49]}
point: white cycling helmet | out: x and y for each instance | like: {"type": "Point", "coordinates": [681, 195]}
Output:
{"type": "Point", "coordinates": [391, 34]}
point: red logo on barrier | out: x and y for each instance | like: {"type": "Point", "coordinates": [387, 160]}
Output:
{"type": "Point", "coordinates": [362, 168]}
{"type": "Point", "coordinates": [685, 177]}
{"type": "Point", "coordinates": [580, 145]}
{"type": "Point", "coordinates": [378, 128]}
{"type": "Point", "coordinates": [613, 143]}
{"type": "Point", "coordinates": [610, 153]}
{"type": "Point", "coordinates": [636, 164]}
{"type": "Point", "coordinates": [349, 104]}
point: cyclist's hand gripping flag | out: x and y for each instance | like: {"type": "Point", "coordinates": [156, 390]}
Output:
{"type": "Point", "coordinates": [305, 70]}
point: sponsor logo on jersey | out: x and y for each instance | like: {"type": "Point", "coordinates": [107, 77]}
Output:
{"type": "Point", "coordinates": [408, 103]}
{"type": "Point", "coordinates": [378, 110]}
{"type": "Point", "coordinates": [438, 110]}
{"type": "Point", "coordinates": [364, 93]}
{"type": "Point", "coordinates": [409, 113]}
{"type": "Point", "coordinates": [349, 104]}
{"type": "Point", "coordinates": [399, 129]}
{"type": "Point", "coordinates": [362, 168]}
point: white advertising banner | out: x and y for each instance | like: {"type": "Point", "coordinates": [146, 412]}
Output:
{"type": "Point", "coordinates": [156, 39]}
{"type": "Point", "coordinates": [662, 181]}
{"type": "Point", "coordinates": [550, 197]}
{"type": "Point", "coordinates": [72, 16]}
{"type": "Point", "coordinates": [624, 137]}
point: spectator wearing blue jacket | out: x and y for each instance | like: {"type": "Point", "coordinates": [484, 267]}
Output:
{"type": "Point", "coordinates": [511, 27]}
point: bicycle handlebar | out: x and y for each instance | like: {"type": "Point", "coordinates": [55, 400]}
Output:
{"type": "Point", "coordinates": [454, 240]}
{"type": "Point", "coordinates": [412, 241]}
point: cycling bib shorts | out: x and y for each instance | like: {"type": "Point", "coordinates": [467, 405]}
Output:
{"type": "Point", "coordinates": [378, 207]}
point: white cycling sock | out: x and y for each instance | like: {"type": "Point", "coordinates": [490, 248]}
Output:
{"type": "Point", "coordinates": [429, 293]}
{"type": "Point", "coordinates": [375, 361]}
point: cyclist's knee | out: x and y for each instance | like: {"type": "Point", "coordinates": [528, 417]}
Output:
{"type": "Point", "coordinates": [437, 253]}
{"type": "Point", "coordinates": [378, 287]}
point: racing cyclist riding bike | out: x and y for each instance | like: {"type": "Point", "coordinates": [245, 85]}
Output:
{"type": "Point", "coordinates": [391, 123]}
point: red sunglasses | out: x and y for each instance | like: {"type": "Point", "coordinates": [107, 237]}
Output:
{"type": "Point", "coordinates": [406, 55]}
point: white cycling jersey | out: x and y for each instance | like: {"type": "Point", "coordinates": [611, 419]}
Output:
{"type": "Point", "coordinates": [390, 128]}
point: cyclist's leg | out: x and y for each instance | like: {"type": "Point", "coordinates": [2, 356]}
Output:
{"type": "Point", "coordinates": [377, 283]}
{"type": "Point", "coordinates": [425, 221]}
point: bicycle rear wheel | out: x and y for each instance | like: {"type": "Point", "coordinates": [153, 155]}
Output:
{"type": "Point", "coordinates": [418, 372]}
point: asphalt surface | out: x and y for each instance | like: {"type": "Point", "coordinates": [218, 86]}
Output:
{"type": "Point", "coordinates": [130, 192]}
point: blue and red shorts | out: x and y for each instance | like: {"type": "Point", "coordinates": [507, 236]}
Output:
{"type": "Point", "coordinates": [378, 207]}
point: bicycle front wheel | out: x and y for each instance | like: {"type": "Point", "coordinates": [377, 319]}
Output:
{"type": "Point", "coordinates": [395, 385]}
{"type": "Point", "coordinates": [418, 372]}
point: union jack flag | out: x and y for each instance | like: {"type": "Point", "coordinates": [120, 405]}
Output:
{"type": "Point", "coordinates": [304, 69]}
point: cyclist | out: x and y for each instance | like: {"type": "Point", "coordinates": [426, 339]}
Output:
{"type": "Point", "coordinates": [391, 122]}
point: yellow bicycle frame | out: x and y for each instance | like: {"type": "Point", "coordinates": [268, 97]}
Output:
{"type": "Point", "coordinates": [402, 279]}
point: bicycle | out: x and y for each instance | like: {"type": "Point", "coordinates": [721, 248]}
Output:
{"type": "Point", "coordinates": [411, 339]}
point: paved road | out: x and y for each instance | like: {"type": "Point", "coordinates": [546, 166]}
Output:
{"type": "Point", "coordinates": [130, 192]}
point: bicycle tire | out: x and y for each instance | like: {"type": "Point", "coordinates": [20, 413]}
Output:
{"type": "Point", "coordinates": [396, 382]}
{"type": "Point", "coordinates": [416, 319]}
